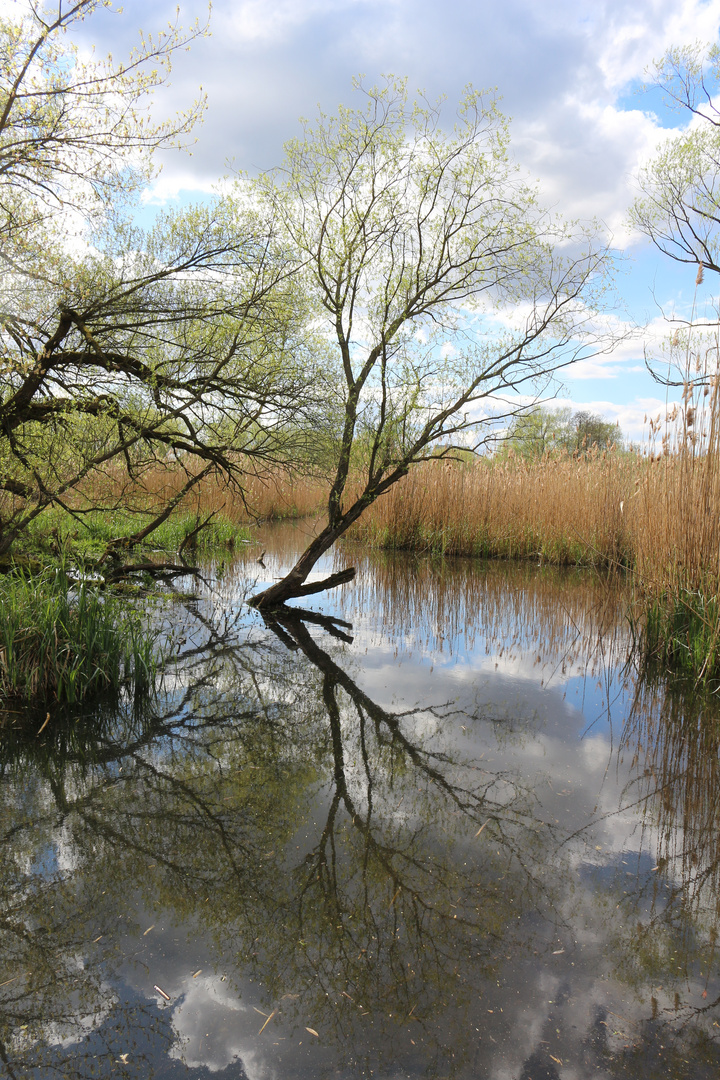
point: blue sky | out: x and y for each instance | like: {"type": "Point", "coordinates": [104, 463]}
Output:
{"type": "Point", "coordinates": [570, 73]}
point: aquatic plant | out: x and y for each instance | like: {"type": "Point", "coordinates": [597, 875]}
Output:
{"type": "Point", "coordinates": [64, 641]}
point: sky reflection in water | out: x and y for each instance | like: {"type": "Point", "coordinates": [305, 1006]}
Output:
{"type": "Point", "coordinates": [468, 842]}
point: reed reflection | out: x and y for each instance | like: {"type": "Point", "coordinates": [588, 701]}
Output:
{"type": "Point", "coordinates": [672, 737]}
{"type": "Point", "coordinates": [458, 605]}
{"type": "Point", "coordinates": [455, 606]}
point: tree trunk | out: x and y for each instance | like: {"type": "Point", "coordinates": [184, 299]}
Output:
{"type": "Point", "coordinates": [293, 584]}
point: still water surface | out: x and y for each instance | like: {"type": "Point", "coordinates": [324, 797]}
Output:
{"type": "Point", "coordinates": [456, 838]}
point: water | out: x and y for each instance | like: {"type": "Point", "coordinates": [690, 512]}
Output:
{"type": "Point", "coordinates": [459, 838]}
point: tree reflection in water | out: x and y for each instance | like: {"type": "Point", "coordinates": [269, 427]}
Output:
{"type": "Point", "coordinates": [327, 861]}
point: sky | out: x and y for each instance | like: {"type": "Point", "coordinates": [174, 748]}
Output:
{"type": "Point", "coordinates": [570, 74]}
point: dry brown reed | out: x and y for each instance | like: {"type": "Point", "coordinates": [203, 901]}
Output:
{"type": "Point", "coordinates": [677, 538]}
{"type": "Point", "coordinates": [563, 509]}
{"type": "Point", "coordinates": [654, 512]}
{"type": "Point", "coordinates": [273, 495]}
{"type": "Point", "coordinates": [674, 508]}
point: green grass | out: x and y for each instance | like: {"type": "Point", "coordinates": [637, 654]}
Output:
{"type": "Point", "coordinates": [220, 533]}
{"type": "Point", "coordinates": [91, 533]}
{"type": "Point", "coordinates": [681, 633]}
{"type": "Point", "coordinates": [65, 643]}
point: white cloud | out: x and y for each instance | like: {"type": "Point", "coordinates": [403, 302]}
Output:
{"type": "Point", "coordinates": [257, 21]}
{"type": "Point", "coordinates": [585, 154]}
{"type": "Point", "coordinates": [268, 62]}
{"type": "Point", "coordinates": [636, 34]}
{"type": "Point", "coordinates": [208, 1005]}
{"type": "Point", "coordinates": [567, 71]}
{"type": "Point", "coordinates": [173, 186]}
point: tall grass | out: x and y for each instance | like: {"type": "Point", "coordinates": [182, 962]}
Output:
{"type": "Point", "coordinates": [677, 548]}
{"type": "Point", "coordinates": [65, 643]}
{"type": "Point", "coordinates": [275, 494]}
{"type": "Point", "coordinates": [563, 510]}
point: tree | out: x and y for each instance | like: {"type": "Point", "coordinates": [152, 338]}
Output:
{"type": "Point", "coordinates": [72, 136]}
{"type": "Point", "coordinates": [124, 350]}
{"type": "Point", "coordinates": [186, 348]}
{"type": "Point", "coordinates": [532, 434]}
{"type": "Point", "coordinates": [590, 431]}
{"type": "Point", "coordinates": [679, 209]}
{"type": "Point", "coordinates": [443, 285]}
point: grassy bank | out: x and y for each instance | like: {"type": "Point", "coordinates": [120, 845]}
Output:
{"type": "Point", "coordinates": [115, 509]}
{"type": "Point", "coordinates": [58, 531]}
{"type": "Point", "coordinates": [64, 642]}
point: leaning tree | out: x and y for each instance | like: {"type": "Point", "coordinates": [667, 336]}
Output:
{"type": "Point", "coordinates": [445, 290]}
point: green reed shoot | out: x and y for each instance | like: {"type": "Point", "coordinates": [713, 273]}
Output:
{"type": "Point", "coordinates": [66, 642]}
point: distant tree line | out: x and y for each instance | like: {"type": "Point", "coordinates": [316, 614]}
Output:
{"type": "Point", "coordinates": [542, 431]}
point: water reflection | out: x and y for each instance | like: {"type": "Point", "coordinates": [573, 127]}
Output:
{"type": "Point", "coordinates": [393, 841]}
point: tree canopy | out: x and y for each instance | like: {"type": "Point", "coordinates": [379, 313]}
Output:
{"type": "Point", "coordinates": [679, 208]}
{"type": "Point", "coordinates": [543, 430]}
{"type": "Point", "coordinates": [123, 349]}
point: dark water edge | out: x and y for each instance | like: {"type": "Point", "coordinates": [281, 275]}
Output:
{"type": "Point", "coordinates": [459, 837]}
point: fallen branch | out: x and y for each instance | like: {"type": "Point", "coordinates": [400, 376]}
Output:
{"type": "Point", "coordinates": [157, 569]}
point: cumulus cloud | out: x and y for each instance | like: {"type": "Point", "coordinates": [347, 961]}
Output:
{"type": "Point", "coordinates": [586, 155]}
{"type": "Point", "coordinates": [559, 67]}
{"type": "Point", "coordinates": [569, 74]}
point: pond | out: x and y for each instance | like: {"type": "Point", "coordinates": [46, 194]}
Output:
{"type": "Point", "coordinates": [442, 829]}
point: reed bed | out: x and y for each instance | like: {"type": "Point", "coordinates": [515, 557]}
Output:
{"type": "Point", "coordinates": [272, 495]}
{"type": "Point", "coordinates": [677, 537]}
{"type": "Point", "coordinates": [115, 507]}
{"type": "Point", "coordinates": [562, 510]}
{"type": "Point", "coordinates": [655, 514]}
